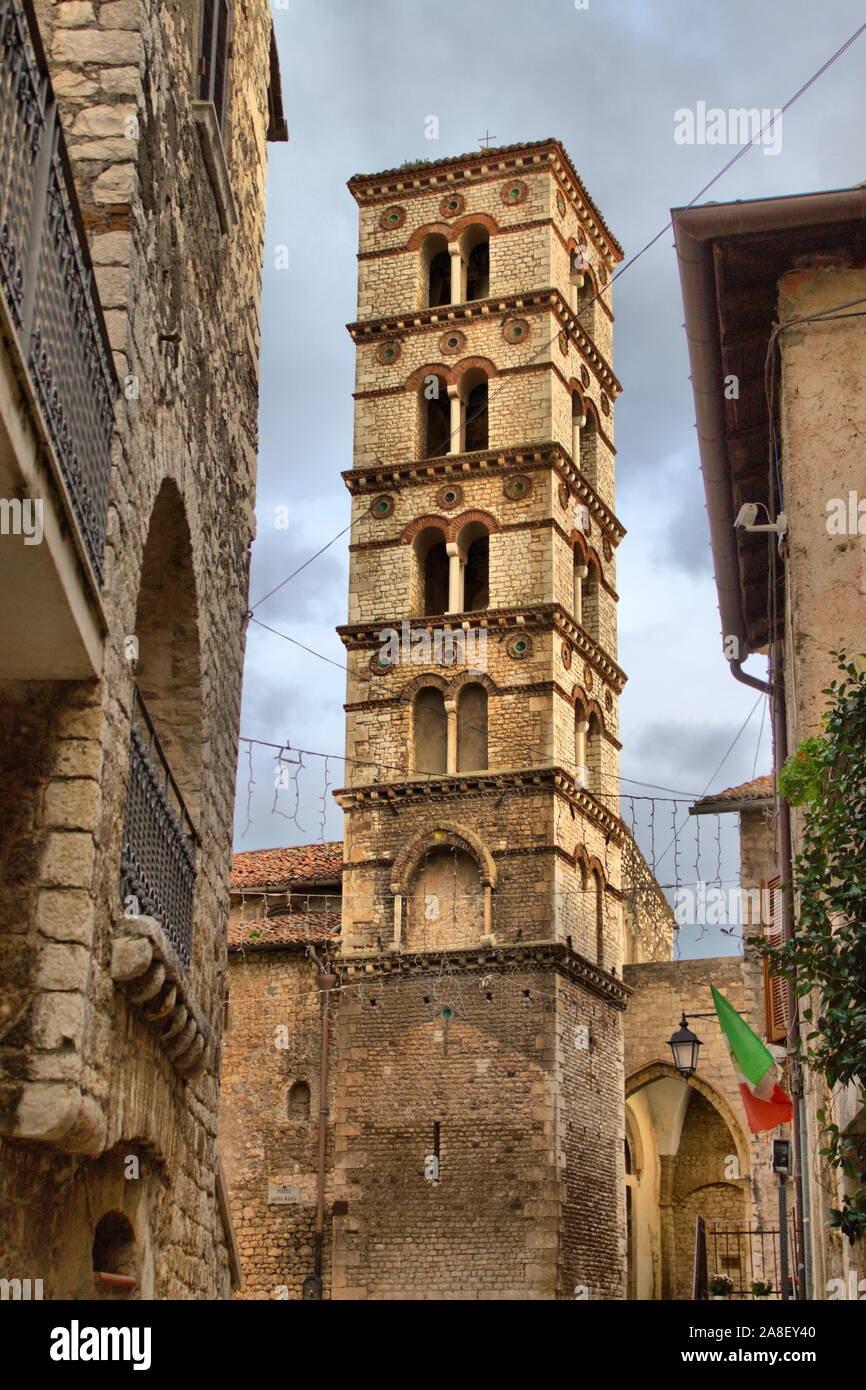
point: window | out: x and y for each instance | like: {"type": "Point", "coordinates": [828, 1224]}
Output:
{"type": "Point", "coordinates": [472, 729]}
{"type": "Point", "coordinates": [593, 753]}
{"type": "Point", "coordinates": [475, 256]}
{"type": "Point", "coordinates": [431, 560]}
{"type": "Point", "coordinates": [298, 1104]}
{"type": "Point", "coordinates": [436, 262]}
{"type": "Point", "coordinates": [578, 421]}
{"type": "Point", "coordinates": [775, 986]}
{"type": "Point", "coordinates": [599, 916]}
{"type": "Point", "coordinates": [430, 731]}
{"type": "Point", "coordinates": [113, 1248]}
{"type": "Point", "coordinates": [589, 620]}
{"type": "Point", "coordinates": [476, 583]}
{"type": "Point", "coordinates": [581, 574]}
{"type": "Point", "coordinates": [476, 417]}
{"type": "Point", "coordinates": [214, 57]}
{"type": "Point", "coordinates": [436, 417]}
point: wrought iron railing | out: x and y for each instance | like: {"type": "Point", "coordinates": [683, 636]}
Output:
{"type": "Point", "coordinates": [157, 871]}
{"type": "Point", "coordinates": [47, 278]}
{"type": "Point", "coordinates": [743, 1253]}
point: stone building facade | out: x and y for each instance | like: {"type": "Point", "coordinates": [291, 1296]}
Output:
{"type": "Point", "coordinates": [122, 635]}
{"type": "Point", "coordinates": [778, 281]}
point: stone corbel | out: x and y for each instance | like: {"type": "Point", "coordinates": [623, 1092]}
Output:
{"type": "Point", "coordinates": [148, 969]}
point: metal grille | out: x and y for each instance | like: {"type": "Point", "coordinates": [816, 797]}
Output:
{"type": "Point", "coordinates": [742, 1253]}
{"type": "Point", "coordinates": [159, 842]}
{"type": "Point", "coordinates": [48, 280]}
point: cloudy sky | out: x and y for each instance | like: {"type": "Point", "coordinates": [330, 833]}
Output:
{"type": "Point", "coordinates": [359, 82]}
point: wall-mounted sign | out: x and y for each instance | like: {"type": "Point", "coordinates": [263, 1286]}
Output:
{"type": "Point", "coordinates": [283, 1195]}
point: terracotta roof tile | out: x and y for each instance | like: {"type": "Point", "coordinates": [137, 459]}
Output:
{"type": "Point", "coordinates": [290, 928]}
{"type": "Point", "coordinates": [746, 791]}
{"type": "Point", "coordinates": [295, 864]}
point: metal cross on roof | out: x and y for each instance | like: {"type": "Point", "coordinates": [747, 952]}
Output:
{"type": "Point", "coordinates": [485, 139]}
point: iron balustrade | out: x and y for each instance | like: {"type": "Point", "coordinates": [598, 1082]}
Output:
{"type": "Point", "coordinates": [47, 278]}
{"type": "Point", "coordinates": [159, 842]}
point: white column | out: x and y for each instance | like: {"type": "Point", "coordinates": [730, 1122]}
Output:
{"type": "Point", "coordinates": [456, 274]}
{"type": "Point", "coordinates": [580, 573]}
{"type": "Point", "coordinates": [451, 745]}
{"type": "Point", "coordinates": [581, 771]}
{"type": "Point", "coordinates": [455, 443]}
{"type": "Point", "coordinates": [398, 920]}
{"type": "Point", "coordinates": [487, 937]}
{"type": "Point", "coordinates": [577, 424]}
{"type": "Point", "coordinates": [455, 577]}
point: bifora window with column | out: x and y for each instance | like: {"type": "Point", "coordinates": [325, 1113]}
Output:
{"type": "Point", "coordinates": [453, 415]}
{"type": "Point", "coordinates": [449, 730]}
{"type": "Point", "coordinates": [458, 271]}
{"type": "Point", "coordinates": [451, 576]}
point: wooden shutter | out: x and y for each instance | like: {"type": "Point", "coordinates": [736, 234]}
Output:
{"type": "Point", "coordinates": [775, 986]}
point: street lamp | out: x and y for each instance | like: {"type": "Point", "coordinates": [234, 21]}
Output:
{"type": "Point", "coordinates": [685, 1047]}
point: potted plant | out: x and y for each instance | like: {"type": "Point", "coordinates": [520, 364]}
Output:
{"type": "Point", "coordinates": [761, 1289]}
{"type": "Point", "coordinates": [720, 1287]}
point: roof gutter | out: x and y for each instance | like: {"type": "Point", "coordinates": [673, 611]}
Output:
{"type": "Point", "coordinates": [695, 229]}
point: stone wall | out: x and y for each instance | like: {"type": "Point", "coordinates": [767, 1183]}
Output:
{"type": "Point", "coordinates": [84, 1073]}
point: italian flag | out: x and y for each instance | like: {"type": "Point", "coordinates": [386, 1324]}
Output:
{"type": "Point", "coordinates": [766, 1104]}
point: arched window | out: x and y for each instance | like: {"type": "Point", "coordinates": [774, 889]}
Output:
{"type": "Point", "coordinates": [472, 729]}
{"type": "Point", "coordinates": [586, 304]}
{"type": "Point", "coordinates": [429, 731]}
{"type": "Point", "coordinates": [113, 1249]}
{"type": "Point", "coordinates": [298, 1101]}
{"type": "Point", "coordinates": [474, 546]}
{"type": "Point", "coordinates": [589, 448]}
{"type": "Point", "coordinates": [478, 271]}
{"type": "Point", "coordinates": [436, 417]}
{"type": "Point", "coordinates": [476, 432]}
{"type": "Point", "coordinates": [590, 602]}
{"type": "Point", "coordinates": [436, 262]}
{"type": "Point", "coordinates": [445, 903]}
{"type": "Point", "coordinates": [431, 559]}
{"type": "Point", "coordinates": [598, 884]}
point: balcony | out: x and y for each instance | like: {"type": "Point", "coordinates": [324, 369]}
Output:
{"type": "Point", "coordinates": [157, 875]}
{"type": "Point", "coordinates": [57, 383]}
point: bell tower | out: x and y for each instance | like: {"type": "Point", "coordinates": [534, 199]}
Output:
{"type": "Point", "coordinates": [479, 1119]}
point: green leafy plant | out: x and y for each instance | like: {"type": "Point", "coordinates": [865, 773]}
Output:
{"type": "Point", "coordinates": [253, 934]}
{"type": "Point", "coordinates": [760, 1289]}
{"type": "Point", "coordinates": [826, 958]}
{"type": "Point", "coordinates": [413, 163]}
{"type": "Point", "coordinates": [721, 1286]}
{"type": "Point", "coordinates": [800, 775]}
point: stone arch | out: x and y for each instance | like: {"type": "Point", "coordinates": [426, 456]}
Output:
{"type": "Point", "coordinates": [659, 1070]}
{"type": "Point", "coordinates": [412, 687]}
{"type": "Point", "coordinates": [472, 364]}
{"type": "Point", "coordinates": [473, 678]}
{"type": "Point", "coordinates": [416, 380]}
{"type": "Point", "coordinates": [420, 234]}
{"type": "Point", "coordinates": [429, 521]}
{"type": "Point", "coordinates": [169, 673]}
{"type": "Point", "coordinates": [472, 219]}
{"type": "Point", "coordinates": [298, 1101]}
{"type": "Point", "coordinates": [114, 1249]}
{"type": "Point", "coordinates": [445, 836]}
{"type": "Point", "coordinates": [458, 524]}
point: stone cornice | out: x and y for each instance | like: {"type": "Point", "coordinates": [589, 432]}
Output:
{"type": "Point", "coordinates": [378, 477]}
{"type": "Point", "coordinates": [481, 166]}
{"type": "Point", "coordinates": [146, 966]}
{"type": "Point", "coordinates": [491, 785]}
{"type": "Point", "coordinates": [545, 617]}
{"type": "Point", "coordinates": [547, 300]}
{"type": "Point", "coordinates": [359, 964]}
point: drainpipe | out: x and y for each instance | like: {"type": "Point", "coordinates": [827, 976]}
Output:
{"type": "Point", "coordinates": [325, 982]}
{"type": "Point", "coordinates": [798, 1119]}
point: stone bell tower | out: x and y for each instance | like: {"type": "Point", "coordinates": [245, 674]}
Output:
{"type": "Point", "coordinates": [478, 1057]}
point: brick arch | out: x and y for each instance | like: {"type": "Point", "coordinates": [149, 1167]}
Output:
{"type": "Point", "coordinates": [413, 382]}
{"type": "Point", "coordinates": [410, 531]}
{"type": "Point", "coordinates": [589, 864]}
{"type": "Point", "coordinates": [659, 1070]}
{"type": "Point", "coordinates": [429, 229]}
{"type": "Point", "coordinates": [592, 410]}
{"type": "Point", "coordinates": [468, 364]}
{"type": "Point", "coordinates": [454, 836]}
{"type": "Point", "coordinates": [472, 219]}
{"type": "Point", "coordinates": [589, 553]}
{"type": "Point", "coordinates": [580, 697]}
{"type": "Point", "coordinates": [572, 244]}
{"type": "Point", "coordinates": [457, 523]}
